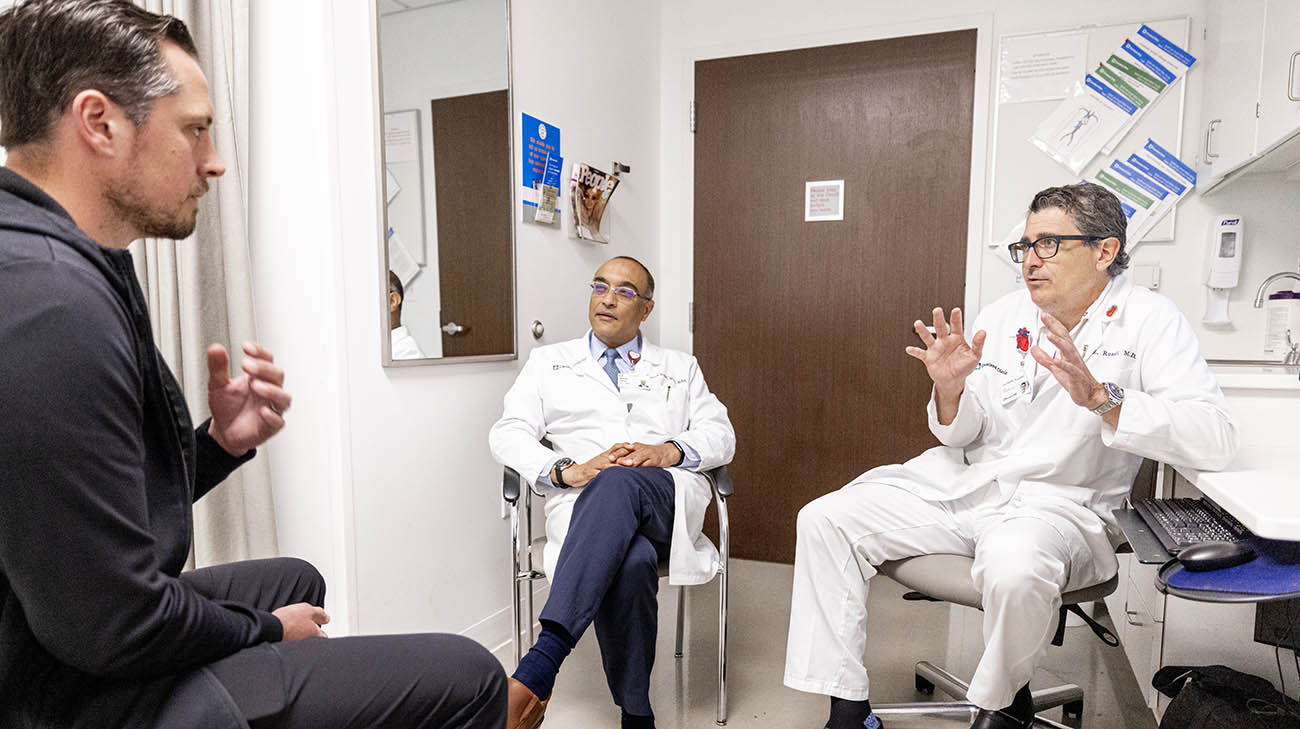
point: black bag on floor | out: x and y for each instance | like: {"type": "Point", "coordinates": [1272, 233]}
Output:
{"type": "Point", "coordinates": [1218, 697]}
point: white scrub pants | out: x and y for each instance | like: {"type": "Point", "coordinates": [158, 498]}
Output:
{"type": "Point", "coordinates": [1025, 550]}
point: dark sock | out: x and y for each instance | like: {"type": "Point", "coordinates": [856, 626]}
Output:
{"type": "Point", "coordinates": [636, 721]}
{"type": "Point", "coordinates": [1022, 706]}
{"type": "Point", "coordinates": [540, 665]}
{"type": "Point", "coordinates": [847, 714]}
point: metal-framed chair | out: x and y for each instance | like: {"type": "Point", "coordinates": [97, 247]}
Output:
{"type": "Point", "coordinates": [946, 578]}
{"type": "Point", "coordinates": [526, 557]}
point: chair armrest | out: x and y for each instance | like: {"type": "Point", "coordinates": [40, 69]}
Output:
{"type": "Point", "coordinates": [722, 481]}
{"type": "Point", "coordinates": [510, 483]}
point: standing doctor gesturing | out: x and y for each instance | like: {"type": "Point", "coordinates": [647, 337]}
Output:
{"type": "Point", "coordinates": [1044, 416]}
{"type": "Point", "coordinates": [632, 426]}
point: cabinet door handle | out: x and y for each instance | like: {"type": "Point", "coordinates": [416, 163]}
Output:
{"type": "Point", "coordinates": [1290, 78]}
{"type": "Point", "coordinates": [1128, 616]}
{"type": "Point", "coordinates": [1209, 130]}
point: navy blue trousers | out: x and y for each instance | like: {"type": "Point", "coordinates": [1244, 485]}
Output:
{"type": "Point", "coordinates": [608, 573]}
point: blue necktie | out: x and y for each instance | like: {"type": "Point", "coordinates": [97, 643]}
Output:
{"type": "Point", "coordinates": [611, 366]}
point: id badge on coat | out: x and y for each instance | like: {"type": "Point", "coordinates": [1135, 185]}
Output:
{"type": "Point", "coordinates": [1015, 387]}
{"type": "Point", "coordinates": [638, 389]}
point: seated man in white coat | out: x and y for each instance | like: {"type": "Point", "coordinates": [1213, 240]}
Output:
{"type": "Point", "coordinates": [1042, 433]}
{"type": "Point", "coordinates": [631, 427]}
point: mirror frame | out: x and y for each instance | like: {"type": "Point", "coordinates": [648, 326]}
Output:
{"type": "Point", "coordinates": [386, 342]}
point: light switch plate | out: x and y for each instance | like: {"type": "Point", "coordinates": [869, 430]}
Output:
{"type": "Point", "coordinates": [1147, 275]}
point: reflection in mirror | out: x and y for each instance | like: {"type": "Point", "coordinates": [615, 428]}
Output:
{"type": "Point", "coordinates": [448, 238]}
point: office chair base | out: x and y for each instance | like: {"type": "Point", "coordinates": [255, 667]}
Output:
{"type": "Point", "coordinates": [929, 677]}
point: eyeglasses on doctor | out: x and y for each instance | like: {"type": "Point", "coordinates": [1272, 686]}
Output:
{"type": "Point", "coordinates": [1047, 246]}
{"type": "Point", "coordinates": [627, 293]}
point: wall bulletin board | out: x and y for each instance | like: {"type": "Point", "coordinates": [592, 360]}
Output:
{"type": "Point", "coordinates": [1020, 169]}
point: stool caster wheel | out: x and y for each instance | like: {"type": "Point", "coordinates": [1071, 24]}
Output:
{"type": "Point", "coordinates": [923, 686]}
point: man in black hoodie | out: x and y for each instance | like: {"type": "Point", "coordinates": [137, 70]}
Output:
{"type": "Point", "coordinates": [105, 115]}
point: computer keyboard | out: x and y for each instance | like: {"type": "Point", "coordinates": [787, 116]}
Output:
{"type": "Point", "coordinates": [1180, 523]}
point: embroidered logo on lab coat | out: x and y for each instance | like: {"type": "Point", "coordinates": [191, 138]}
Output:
{"type": "Point", "coordinates": [1111, 311]}
{"type": "Point", "coordinates": [1022, 339]}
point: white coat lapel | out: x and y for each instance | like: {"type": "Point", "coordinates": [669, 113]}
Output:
{"type": "Point", "coordinates": [1107, 311]}
{"type": "Point", "coordinates": [583, 364]}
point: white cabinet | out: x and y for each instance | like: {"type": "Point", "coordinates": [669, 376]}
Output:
{"type": "Point", "coordinates": [1251, 119]}
{"type": "Point", "coordinates": [1138, 611]}
{"type": "Point", "coordinates": [1234, 43]}
{"type": "Point", "coordinates": [1279, 79]}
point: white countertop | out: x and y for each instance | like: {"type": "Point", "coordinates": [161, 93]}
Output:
{"type": "Point", "coordinates": [1261, 487]}
{"type": "Point", "coordinates": [1254, 377]}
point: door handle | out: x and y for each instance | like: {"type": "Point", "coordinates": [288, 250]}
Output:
{"type": "Point", "coordinates": [451, 329]}
{"type": "Point", "coordinates": [1209, 130]}
{"type": "Point", "coordinates": [1290, 78]}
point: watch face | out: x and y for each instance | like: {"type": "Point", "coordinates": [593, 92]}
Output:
{"type": "Point", "coordinates": [1115, 392]}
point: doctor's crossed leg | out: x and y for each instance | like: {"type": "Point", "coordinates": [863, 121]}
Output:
{"type": "Point", "coordinates": [632, 427]}
{"type": "Point", "coordinates": [1044, 415]}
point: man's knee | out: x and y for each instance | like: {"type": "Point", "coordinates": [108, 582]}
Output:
{"type": "Point", "coordinates": [817, 519]}
{"type": "Point", "coordinates": [614, 485]}
{"type": "Point", "coordinates": [307, 581]}
{"type": "Point", "coordinates": [467, 670]}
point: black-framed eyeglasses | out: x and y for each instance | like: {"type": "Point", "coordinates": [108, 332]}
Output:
{"type": "Point", "coordinates": [1047, 246]}
{"type": "Point", "coordinates": [627, 293]}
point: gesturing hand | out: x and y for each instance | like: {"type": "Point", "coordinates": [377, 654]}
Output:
{"type": "Point", "coordinates": [948, 358]}
{"type": "Point", "coordinates": [302, 620]}
{"type": "Point", "coordinates": [249, 409]}
{"type": "Point", "coordinates": [1068, 367]}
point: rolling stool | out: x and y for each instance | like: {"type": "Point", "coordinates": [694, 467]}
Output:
{"type": "Point", "coordinates": [946, 578]}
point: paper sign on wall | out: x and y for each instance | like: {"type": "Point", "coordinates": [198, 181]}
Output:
{"type": "Point", "coordinates": [823, 200]}
{"type": "Point", "coordinates": [1041, 67]}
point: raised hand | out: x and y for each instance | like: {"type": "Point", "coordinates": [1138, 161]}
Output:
{"type": "Point", "coordinates": [948, 358]}
{"type": "Point", "coordinates": [1068, 367]}
{"type": "Point", "coordinates": [249, 409]}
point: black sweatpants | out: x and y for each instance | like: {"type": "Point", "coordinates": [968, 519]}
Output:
{"type": "Point", "coordinates": [422, 681]}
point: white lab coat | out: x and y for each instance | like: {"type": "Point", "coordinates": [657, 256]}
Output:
{"type": "Point", "coordinates": [1010, 453]}
{"type": "Point", "coordinates": [404, 345]}
{"type": "Point", "coordinates": [563, 395]}
{"type": "Point", "coordinates": [1040, 443]}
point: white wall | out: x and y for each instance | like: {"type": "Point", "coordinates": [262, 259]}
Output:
{"type": "Point", "coordinates": [736, 27]}
{"type": "Point", "coordinates": [383, 477]}
{"type": "Point", "coordinates": [439, 51]}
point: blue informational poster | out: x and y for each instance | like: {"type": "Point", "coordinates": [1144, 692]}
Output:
{"type": "Point", "coordinates": [541, 141]}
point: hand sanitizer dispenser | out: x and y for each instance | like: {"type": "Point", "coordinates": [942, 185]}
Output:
{"type": "Point", "coordinates": [1222, 266]}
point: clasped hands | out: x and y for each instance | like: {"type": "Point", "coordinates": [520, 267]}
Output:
{"type": "Point", "coordinates": [949, 359]}
{"type": "Point", "coordinates": [664, 455]}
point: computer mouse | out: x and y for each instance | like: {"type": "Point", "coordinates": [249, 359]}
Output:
{"type": "Point", "coordinates": [1215, 555]}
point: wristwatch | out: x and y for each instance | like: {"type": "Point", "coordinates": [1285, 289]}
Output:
{"type": "Point", "coordinates": [680, 450]}
{"type": "Point", "coordinates": [1114, 398]}
{"type": "Point", "coordinates": [560, 465]}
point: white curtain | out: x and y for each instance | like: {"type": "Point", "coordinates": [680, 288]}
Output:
{"type": "Point", "coordinates": [200, 289]}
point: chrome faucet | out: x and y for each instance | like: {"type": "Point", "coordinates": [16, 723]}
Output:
{"type": "Point", "coordinates": [1293, 354]}
{"type": "Point", "coordinates": [1259, 294]}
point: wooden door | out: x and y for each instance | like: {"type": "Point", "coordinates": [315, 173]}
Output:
{"type": "Point", "coordinates": [800, 326]}
{"type": "Point", "coordinates": [471, 161]}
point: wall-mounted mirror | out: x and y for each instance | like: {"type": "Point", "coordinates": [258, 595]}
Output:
{"type": "Point", "coordinates": [448, 237]}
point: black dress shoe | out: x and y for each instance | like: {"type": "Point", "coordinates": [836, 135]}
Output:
{"type": "Point", "coordinates": [998, 719]}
